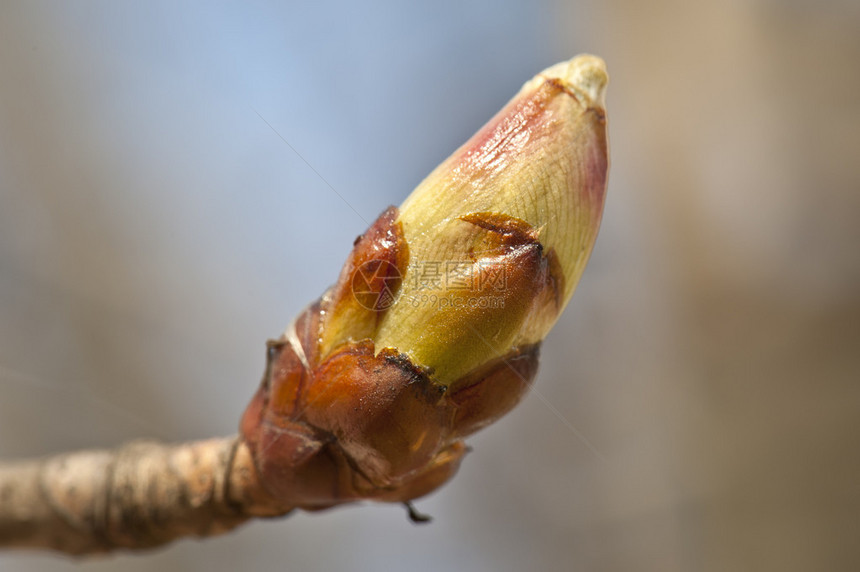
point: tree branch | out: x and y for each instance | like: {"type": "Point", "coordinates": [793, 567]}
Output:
{"type": "Point", "coordinates": [141, 495]}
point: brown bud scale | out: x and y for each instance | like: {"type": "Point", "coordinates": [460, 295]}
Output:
{"type": "Point", "coordinates": [353, 421]}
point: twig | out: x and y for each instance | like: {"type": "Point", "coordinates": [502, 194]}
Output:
{"type": "Point", "coordinates": [141, 495]}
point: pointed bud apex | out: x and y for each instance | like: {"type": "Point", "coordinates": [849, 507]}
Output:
{"type": "Point", "coordinates": [541, 161]}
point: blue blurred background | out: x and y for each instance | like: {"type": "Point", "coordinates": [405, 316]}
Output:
{"type": "Point", "coordinates": [154, 231]}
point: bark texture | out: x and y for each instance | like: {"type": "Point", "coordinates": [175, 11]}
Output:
{"type": "Point", "coordinates": [141, 495]}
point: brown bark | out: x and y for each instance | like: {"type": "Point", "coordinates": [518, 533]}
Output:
{"type": "Point", "coordinates": [141, 495]}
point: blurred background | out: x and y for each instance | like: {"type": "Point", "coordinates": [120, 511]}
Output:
{"type": "Point", "coordinates": [154, 232]}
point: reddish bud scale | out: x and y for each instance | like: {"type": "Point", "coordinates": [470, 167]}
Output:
{"type": "Point", "coordinates": [356, 422]}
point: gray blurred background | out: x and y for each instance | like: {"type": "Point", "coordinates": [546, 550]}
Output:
{"type": "Point", "coordinates": [154, 231]}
